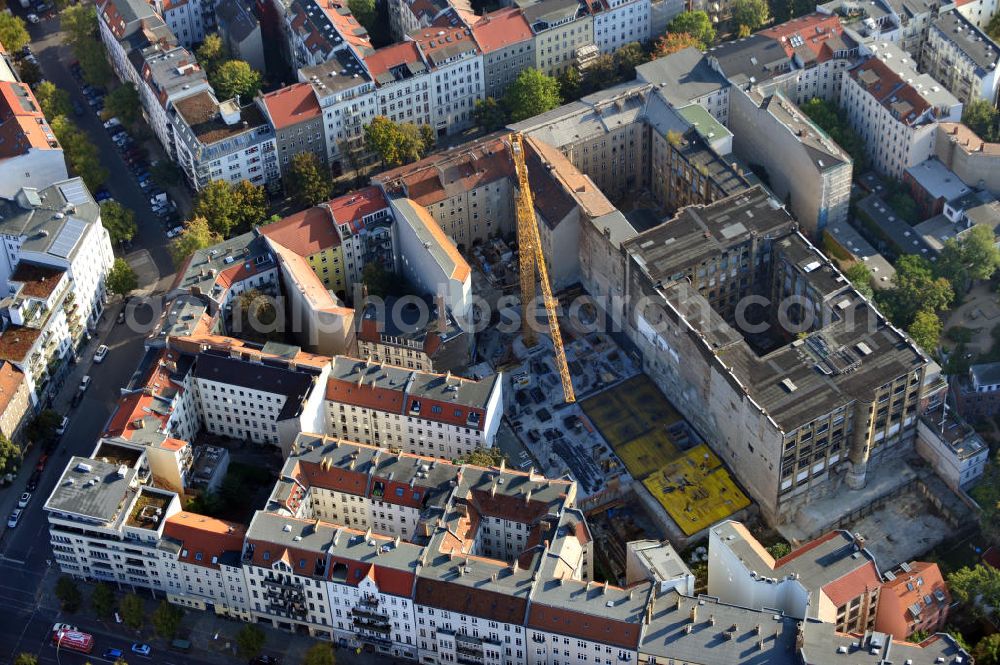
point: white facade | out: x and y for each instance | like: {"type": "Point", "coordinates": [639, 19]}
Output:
{"type": "Point", "coordinates": [185, 18]}
{"type": "Point", "coordinates": [962, 58]}
{"type": "Point", "coordinates": [407, 100]}
{"type": "Point", "coordinates": [456, 85]}
{"type": "Point", "coordinates": [979, 12]}
{"type": "Point", "coordinates": [622, 22]}
{"type": "Point", "coordinates": [345, 114]}
{"type": "Point", "coordinates": [958, 461]}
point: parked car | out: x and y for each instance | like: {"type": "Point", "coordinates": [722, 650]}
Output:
{"type": "Point", "coordinates": [102, 195]}
{"type": "Point", "coordinates": [63, 627]}
{"type": "Point", "coordinates": [14, 518]}
{"type": "Point", "coordinates": [113, 654]}
{"type": "Point", "coordinates": [77, 108]}
{"type": "Point", "coordinates": [33, 18]}
{"type": "Point", "coordinates": [141, 649]}
{"type": "Point", "coordinates": [84, 384]}
{"type": "Point", "coordinates": [40, 466]}
{"type": "Point", "coordinates": [33, 480]}
{"type": "Point", "coordinates": [62, 426]}
{"type": "Point", "coordinates": [112, 123]}
{"type": "Point", "coordinates": [24, 500]}
{"type": "Point", "coordinates": [102, 353]}
{"type": "Point", "coordinates": [174, 232]}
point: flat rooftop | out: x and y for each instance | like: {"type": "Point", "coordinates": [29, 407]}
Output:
{"type": "Point", "coordinates": [150, 509]}
{"type": "Point", "coordinates": [91, 489]}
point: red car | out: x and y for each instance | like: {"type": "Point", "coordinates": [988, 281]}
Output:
{"type": "Point", "coordinates": [41, 462]}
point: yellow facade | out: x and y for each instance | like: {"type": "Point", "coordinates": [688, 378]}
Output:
{"type": "Point", "coordinates": [328, 265]}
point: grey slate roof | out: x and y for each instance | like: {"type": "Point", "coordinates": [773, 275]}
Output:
{"type": "Point", "coordinates": [236, 18]}
{"type": "Point", "coordinates": [293, 384]}
{"type": "Point", "coordinates": [753, 59]}
{"type": "Point", "coordinates": [52, 220]}
{"type": "Point", "coordinates": [986, 373]}
{"type": "Point", "coordinates": [972, 41]}
{"type": "Point", "coordinates": [822, 646]}
{"type": "Point", "coordinates": [683, 76]}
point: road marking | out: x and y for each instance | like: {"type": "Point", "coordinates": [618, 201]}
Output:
{"type": "Point", "coordinates": [17, 561]}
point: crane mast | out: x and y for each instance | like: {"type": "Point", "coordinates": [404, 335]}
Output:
{"type": "Point", "coordinates": [532, 258]}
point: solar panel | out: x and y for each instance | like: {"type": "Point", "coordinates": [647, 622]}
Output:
{"type": "Point", "coordinates": [75, 192]}
{"type": "Point", "coordinates": [68, 237]}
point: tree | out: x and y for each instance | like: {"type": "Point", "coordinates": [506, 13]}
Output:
{"type": "Point", "coordinates": [167, 619]}
{"type": "Point", "coordinates": [122, 280]}
{"type": "Point", "coordinates": [628, 58]}
{"type": "Point", "coordinates": [484, 457]}
{"type": "Point", "coordinates": [983, 118]}
{"type": "Point", "coordinates": [219, 204]}
{"type": "Point", "coordinates": [307, 182]}
{"type": "Point", "coordinates": [779, 549]}
{"type": "Point", "coordinates": [43, 427]}
{"type": "Point", "coordinates": [570, 84]}
{"type": "Point", "coordinates": [320, 653]}
{"type": "Point", "coordinates": [10, 455]}
{"type": "Point", "coordinates": [977, 587]}
{"type": "Point", "coordinates": [987, 651]}
{"type": "Point", "coordinates": [861, 277]}
{"type": "Point", "coordinates": [166, 174]}
{"type": "Point", "coordinates": [94, 63]}
{"type": "Point", "coordinates": [54, 101]}
{"type": "Point", "coordinates": [993, 27]}
{"type": "Point", "coordinates": [133, 611]}
{"type": "Point", "coordinates": [123, 103]}
{"type": "Point", "coordinates": [376, 279]}
{"type": "Point", "coordinates": [987, 491]}
{"type": "Point", "coordinates": [250, 640]}
{"type": "Point", "coordinates": [196, 235]}
{"type": "Point", "coordinates": [530, 94]}
{"type": "Point", "coordinates": [397, 144]}
{"type": "Point", "coordinates": [251, 202]}
{"type": "Point", "coordinates": [926, 330]}
{"type": "Point", "coordinates": [25, 658]}
{"type": "Point", "coordinates": [81, 155]}
{"type": "Point", "coordinates": [119, 221]}
{"type": "Point", "coordinates": [30, 72]}
{"type": "Point", "coordinates": [364, 12]}
{"type": "Point", "coordinates": [212, 52]}
{"type": "Point", "coordinates": [489, 114]}
{"type": "Point", "coordinates": [235, 78]}
{"type": "Point", "coordinates": [428, 138]}
{"type": "Point", "coordinates": [972, 256]}
{"type": "Point", "coordinates": [697, 24]}
{"type": "Point", "coordinates": [672, 42]}
{"type": "Point", "coordinates": [103, 599]}
{"type": "Point", "coordinates": [411, 142]}
{"type": "Point", "coordinates": [915, 288]}
{"type": "Point", "coordinates": [751, 13]}
{"type": "Point", "coordinates": [68, 594]}
{"type": "Point", "coordinates": [830, 119]}
{"type": "Point", "coordinates": [600, 74]}
{"type": "Point", "coordinates": [13, 33]}
{"type": "Point", "coordinates": [80, 23]}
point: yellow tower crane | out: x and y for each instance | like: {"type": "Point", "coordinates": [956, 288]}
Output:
{"type": "Point", "coordinates": [531, 257]}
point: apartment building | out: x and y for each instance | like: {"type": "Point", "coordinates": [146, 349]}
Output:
{"type": "Point", "coordinates": [956, 451]}
{"type": "Point", "coordinates": [973, 160]}
{"type": "Point", "coordinates": [914, 598]}
{"type": "Point", "coordinates": [297, 119]}
{"type": "Point", "coordinates": [561, 27]}
{"type": "Point", "coordinates": [406, 16]}
{"type": "Point", "coordinates": [59, 227]}
{"type": "Point", "coordinates": [508, 47]}
{"type": "Point", "coordinates": [621, 22]}
{"type": "Point", "coordinates": [188, 20]}
{"type": "Point", "coordinates": [312, 234]}
{"type": "Point", "coordinates": [127, 26]}
{"type": "Point", "coordinates": [475, 206]}
{"type": "Point", "coordinates": [169, 74]}
{"type": "Point", "coordinates": [402, 82]}
{"type": "Point", "coordinates": [203, 566]}
{"type": "Point", "coordinates": [687, 77]}
{"type": "Point", "coordinates": [15, 402]}
{"type": "Point", "coordinates": [456, 63]}
{"type": "Point", "coordinates": [314, 31]}
{"type": "Point", "coordinates": [962, 58]}
{"type": "Point", "coordinates": [833, 579]}
{"type": "Point", "coordinates": [422, 336]}
{"type": "Point", "coordinates": [240, 32]}
{"type": "Point", "coordinates": [364, 221]}
{"type": "Point", "coordinates": [28, 147]}
{"type": "Point", "coordinates": [804, 166]}
{"type": "Point", "coordinates": [346, 96]}
{"type": "Point", "coordinates": [222, 141]}
{"type": "Point", "coordinates": [443, 416]}
{"type": "Point", "coordinates": [979, 12]}
{"type": "Point", "coordinates": [895, 110]}
{"type": "Point", "coordinates": [860, 410]}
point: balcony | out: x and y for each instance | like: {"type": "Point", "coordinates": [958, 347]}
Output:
{"type": "Point", "coordinates": [376, 624]}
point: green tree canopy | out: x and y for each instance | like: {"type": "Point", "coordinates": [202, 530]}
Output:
{"type": "Point", "coordinates": [697, 24]}
{"type": "Point", "coordinates": [320, 653]}
{"type": "Point", "coordinates": [364, 12]}
{"type": "Point", "coordinates": [133, 611]}
{"type": "Point", "coordinates": [79, 22]}
{"type": "Point", "coordinates": [25, 658]}
{"type": "Point", "coordinates": [982, 116]}
{"type": "Point", "coordinates": [68, 594]}
{"type": "Point", "coordinates": [570, 84]}
{"type": "Point", "coordinates": [926, 330]}
{"type": "Point", "coordinates": [972, 256]}
{"type": "Point", "coordinates": [484, 457]}
{"type": "Point", "coordinates": [250, 640]}
{"type": "Point", "coordinates": [54, 101]}
{"type": "Point", "coordinates": [43, 427]}
{"type": "Point", "coordinates": [530, 94]}
{"type": "Point", "coordinates": [119, 221]}
{"type": "Point", "coordinates": [13, 33]}
{"type": "Point", "coordinates": [235, 77]}
{"type": "Point", "coordinates": [861, 277]}
{"type": "Point", "coordinates": [122, 280]}
{"type": "Point", "coordinates": [830, 119]}
{"type": "Point", "coordinates": [103, 600]}
{"type": "Point", "coordinates": [252, 201]}
{"type": "Point", "coordinates": [977, 587]}
{"type": "Point", "coordinates": [672, 42]}
{"type": "Point", "coordinates": [308, 181]}
{"type": "Point", "coordinates": [915, 288]}
{"type": "Point", "coordinates": [987, 490]}
{"type": "Point", "coordinates": [212, 52]}
{"type": "Point", "coordinates": [123, 103]}
{"type": "Point", "coordinates": [81, 154]}
{"type": "Point", "coordinates": [987, 651]}
{"type": "Point", "coordinates": [377, 279]}
{"type": "Point", "coordinates": [396, 144]}
{"type": "Point", "coordinates": [489, 114]}
{"type": "Point", "coordinates": [10, 455]}
{"type": "Point", "coordinates": [167, 620]}
{"type": "Point", "coordinates": [196, 235]}
{"type": "Point", "coordinates": [628, 57]}
{"type": "Point", "coordinates": [779, 549]}
{"type": "Point", "coordinates": [166, 174]}
{"type": "Point", "coordinates": [227, 207]}
{"type": "Point", "coordinates": [751, 13]}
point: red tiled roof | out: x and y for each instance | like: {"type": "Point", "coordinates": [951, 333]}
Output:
{"type": "Point", "coordinates": [815, 30]}
{"type": "Point", "coordinates": [357, 205]}
{"type": "Point", "coordinates": [500, 29]}
{"type": "Point", "coordinates": [23, 126]}
{"type": "Point", "coordinates": [11, 380]}
{"type": "Point", "coordinates": [478, 602]}
{"type": "Point", "coordinates": [890, 90]}
{"type": "Point", "coordinates": [905, 588]}
{"type": "Point", "coordinates": [307, 232]}
{"type": "Point", "coordinates": [366, 395]}
{"type": "Point", "coordinates": [852, 585]}
{"type": "Point", "coordinates": [203, 538]}
{"type": "Point", "coordinates": [291, 105]}
{"type": "Point", "coordinates": [388, 57]}
{"type": "Point", "coordinates": [334, 478]}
